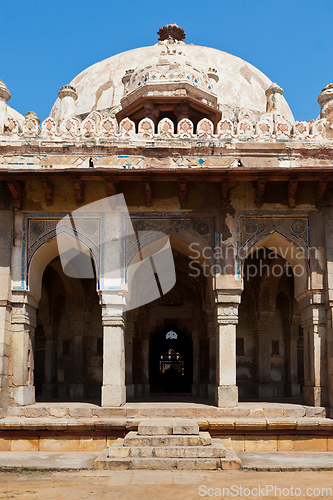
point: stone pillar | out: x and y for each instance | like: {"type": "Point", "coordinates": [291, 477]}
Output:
{"type": "Point", "coordinates": [67, 96]}
{"type": "Point", "coordinates": [145, 364]}
{"type": "Point", "coordinates": [328, 217]}
{"type": "Point", "coordinates": [6, 227]}
{"type": "Point", "coordinates": [113, 388]}
{"type": "Point", "coordinates": [227, 319]}
{"type": "Point", "coordinates": [182, 111]}
{"type": "Point", "coordinates": [211, 332]}
{"type": "Point", "coordinates": [313, 321]}
{"type": "Point", "coordinates": [50, 386]}
{"type": "Point", "coordinates": [4, 97]}
{"type": "Point", "coordinates": [196, 362]}
{"type": "Point", "coordinates": [129, 335]}
{"type": "Point", "coordinates": [290, 346]}
{"type": "Point", "coordinates": [263, 344]}
{"type": "Point", "coordinates": [23, 326]}
{"type": "Point", "coordinates": [78, 356]}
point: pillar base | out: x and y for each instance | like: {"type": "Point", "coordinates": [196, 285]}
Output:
{"type": "Point", "coordinates": [295, 390]}
{"type": "Point", "coordinates": [265, 390]}
{"type": "Point", "coordinates": [113, 395]}
{"type": "Point", "coordinates": [315, 396]}
{"type": "Point", "coordinates": [130, 391]}
{"type": "Point", "coordinates": [226, 395]}
{"type": "Point", "coordinates": [23, 395]}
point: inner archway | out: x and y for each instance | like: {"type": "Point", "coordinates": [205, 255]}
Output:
{"type": "Point", "coordinates": [69, 338]}
{"type": "Point", "coordinates": [169, 340]}
{"type": "Point", "coordinates": [170, 361]}
{"type": "Point", "coordinates": [268, 333]}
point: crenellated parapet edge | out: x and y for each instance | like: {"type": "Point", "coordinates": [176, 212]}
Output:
{"type": "Point", "coordinates": [245, 126]}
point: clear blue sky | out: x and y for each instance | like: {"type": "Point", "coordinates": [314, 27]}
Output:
{"type": "Point", "coordinates": [45, 44]}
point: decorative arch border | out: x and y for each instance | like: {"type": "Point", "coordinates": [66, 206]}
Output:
{"type": "Point", "coordinates": [33, 240]}
{"type": "Point", "coordinates": [167, 223]}
{"type": "Point", "coordinates": [253, 227]}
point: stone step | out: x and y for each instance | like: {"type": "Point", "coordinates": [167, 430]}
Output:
{"type": "Point", "coordinates": [165, 426]}
{"type": "Point", "coordinates": [230, 462]}
{"type": "Point", "coordinates": [201, 439]}
{"type": "Point", "coordinates": [118, 450]}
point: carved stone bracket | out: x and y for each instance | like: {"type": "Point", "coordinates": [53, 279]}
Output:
{"type": "Point", "coordinates": [111, 187]}
{"type": "Point", "coordinates": [182, 192]}
{"type": "Point", "coordinates": [225, 191]}
{"type": "Point", "coordinates": [321, 188]}
{"type": "Point", "coordinates": [149, 193]}
{"type": "Point", "coordinates": [260, 192]}
{"type": "Point", "coordinates": [17, 193]}
{"type": "Point", "coordinates": [78, 189]}
{"type": "Point", "coordinates": [49, 191]}
{"type": "Point", "coordinates": [292, 189]}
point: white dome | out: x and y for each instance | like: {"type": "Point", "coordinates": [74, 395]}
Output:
{"type": "Point", "coordinates": [15, 114]}
{"type": "Point", "coordinates": [240, 85]}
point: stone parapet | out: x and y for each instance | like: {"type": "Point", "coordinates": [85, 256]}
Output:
{"type": "Point", "coordinates": [267, 127]}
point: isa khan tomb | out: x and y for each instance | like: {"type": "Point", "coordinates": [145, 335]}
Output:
{"type": "Point", "coordinates": [225, 343]}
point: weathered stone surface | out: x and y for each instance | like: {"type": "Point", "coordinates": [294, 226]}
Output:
{"type": "Point", "coordinates": [112, 413]}
{"type": "Point", "coordinates": [249, 424]}
{"type": "Point", "coordinates": [315, 411]}
{"type": "Point", "coordinates": [31, 444]}
{"type": "Point", "coordinates": [153, 427]}
{"type": "Point", "coordinates": [61, 443]}
{"type": "Point", "coordinates": [133, 439]}
{"type": "Point", "coordinates": [285, 443]}
{"type": "Point", "coordinates": [111, 423]}
{"type": "Point", "coordinates": [306, 424]}
{"type": "Point", "coordinates": [219, 424]}
{"type": "Point", "coordinates": [281, 424]}
{"type": "Point", "coordinates": [5, 443]}
{"type": "Point", "coordinates": [88, 443]}
{"type": "Point", "coordinates": [57, 412]}
{"type": "Point", "coordinates": [260, 443]}
{"type": "Point", "coordinates": [184, 426]}
{"type": "Point", "coordinates": [80, 412]}
{"type": "Point", "coordinates": [310, 443]}
{"type": "Point", "coordinates": [35, 412]}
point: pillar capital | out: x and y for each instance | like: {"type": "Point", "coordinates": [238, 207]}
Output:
{"type": "Point", "coordinates": [112, 320]}
{"type": "Point", "coordinates": [311, 298]}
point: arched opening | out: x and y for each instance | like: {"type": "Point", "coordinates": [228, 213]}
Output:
{"type": "Point", "coordinates": [68, 346]}
{"type": "Point", "coordinates": [269, 351]}
{"type": "Point", "coordinates": [170, 342]}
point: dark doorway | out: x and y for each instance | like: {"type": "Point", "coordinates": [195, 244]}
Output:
{"type": "Point", "coordinates": [170, 361]}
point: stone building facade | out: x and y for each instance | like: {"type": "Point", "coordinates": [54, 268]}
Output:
{"type": "Point", "coordinates": [205, 149]}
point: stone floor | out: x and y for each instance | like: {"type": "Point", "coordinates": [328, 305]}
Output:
{"type": "Point", "coordinates": [274, 462]}
{"type": "Point", "coordinates": [167, 409]}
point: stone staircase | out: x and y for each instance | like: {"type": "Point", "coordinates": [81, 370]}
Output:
{"type": "Point", "coordinates": [168, 444]}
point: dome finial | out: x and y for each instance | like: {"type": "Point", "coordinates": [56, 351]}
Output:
{"type": "Point", "coordinates": [171, 31]}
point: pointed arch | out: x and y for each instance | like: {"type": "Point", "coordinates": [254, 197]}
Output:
{"type": "Point", "coordinates": [296, 256]}
{"type": "Point", "coordinates": [47, 252]}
